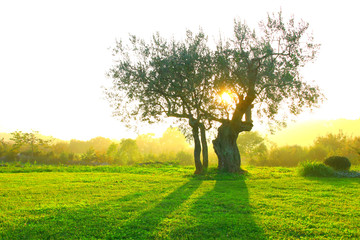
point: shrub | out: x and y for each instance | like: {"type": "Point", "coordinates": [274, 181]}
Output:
{"type": "Point", "coordinates": [338, 163]}
{"type": "Point", "coordinates": [315, 169]}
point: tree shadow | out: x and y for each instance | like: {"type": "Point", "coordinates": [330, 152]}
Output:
{"type": "Point", "coordinates": [337, 182]}
{"type": "Point", "coordinates": [70, 223]}
{"type": "Point", "coordinates": [145, 226]}
{"type": "Point", "coordinates": [222, 213]}
{"type": "Point", "coordinates": [123, 218]}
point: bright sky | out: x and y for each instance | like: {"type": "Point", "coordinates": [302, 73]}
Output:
{"type": "Point", "coordinates": [54, 55]}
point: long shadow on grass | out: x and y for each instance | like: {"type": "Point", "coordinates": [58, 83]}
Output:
{"type": "Point", "coordinates": [335, 181]}
{"type": "Point", "coordinates": [222, 213]}
{"type": "Point", "coordinates": [93, 221]}
{"type": "Point", "coordinates": [145, 226]}
{"type": "Point", "coordinates": [122, 218]}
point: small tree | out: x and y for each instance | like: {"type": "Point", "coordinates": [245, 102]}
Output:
{"type": "Point", "coordinates": [89, 157]}
{"type": "Point", "coordinates": [111, 152]}
{"type": "Point", "coordinates": [128, 152]}
{"type": "Point", "coordinates": [253, 146]}
{"type": "Point", "coordinates": [32, 141]}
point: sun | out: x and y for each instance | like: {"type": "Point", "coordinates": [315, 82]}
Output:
{"type": "Point", "coordinates": [226, 98]}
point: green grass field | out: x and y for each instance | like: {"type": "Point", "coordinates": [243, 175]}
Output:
{"type": "Point", "coordinates": [170, 203]}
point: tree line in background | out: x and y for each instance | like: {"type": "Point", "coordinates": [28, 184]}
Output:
{"type": "Point", "coordinates": [257, 151]}
{"type": "Point", "coordinates": [170, 148]}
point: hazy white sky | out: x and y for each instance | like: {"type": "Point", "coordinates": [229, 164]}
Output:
{"type": "Point", "coordinates": [54, 55]}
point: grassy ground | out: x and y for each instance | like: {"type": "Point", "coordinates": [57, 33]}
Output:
{"type": "Point", "coordinates": [170, 203]}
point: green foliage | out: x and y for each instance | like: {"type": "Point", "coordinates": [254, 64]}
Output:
{"type": "Point", "coordinates": [111, 152]}
{"type": "Point", "coordinates": [184, 79]}
{"type": "Point", "coordinates": [172, 148]}
{"type": "Point", "coordinates": [163, 78]}
{"type": "Point", "coordinates": [128, 152]}
{"type": "Point", "coordinates": [262, 67]}
{"type": "Point", "coordinates": [290, 156]}
{"type": "Point", "coordinates": [335, 144]}
{"type": "Point", "coordinates": [315, 169]}
{"type": "Point", "coordinates": [28, 142]}
{"type": "Point", "coordinates": [331, 144]}
{"type": "Point", "coordinates": [317, 152]}
{"type": "Point", "coordinates": [252, 147]}
{"type": "Point", "coordinates": [89, 157]}
{"type": "Point", "coordinates": [338, 163]}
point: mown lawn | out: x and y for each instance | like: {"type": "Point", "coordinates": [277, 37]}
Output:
{"type": "Point", "coordinates": [171, 203]}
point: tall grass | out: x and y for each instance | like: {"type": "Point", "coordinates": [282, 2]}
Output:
{"type": "Point", "coordinates": [315, 169]}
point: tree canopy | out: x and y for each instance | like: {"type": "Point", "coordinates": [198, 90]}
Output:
{"type": "Point", "coordinates": [262, 67]}
{"type": "Point", "coordinates": [160, 78]}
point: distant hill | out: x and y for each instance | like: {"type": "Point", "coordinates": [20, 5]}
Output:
{"type": "Point", "coordinates": [305, 133]}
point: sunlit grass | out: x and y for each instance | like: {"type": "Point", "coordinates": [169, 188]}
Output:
{"type": "Point", "coordinates": [171, 203]}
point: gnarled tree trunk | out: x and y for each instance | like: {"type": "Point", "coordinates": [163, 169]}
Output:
{"type": "Point", "coordinates": [225, 145]}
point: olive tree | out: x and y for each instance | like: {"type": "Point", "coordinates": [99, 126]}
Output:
{"type": "Point", "coordinates": [258, 70]}
{"type": "Point", "coordinates": [261, 71]}
{"type": "Point", "coordinates": [161, 79]}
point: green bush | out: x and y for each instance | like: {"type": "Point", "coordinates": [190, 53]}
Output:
{"type": "Point", "coordinates": [315, 169]}
{"type": "Point", "coordinates": [338, 163]}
